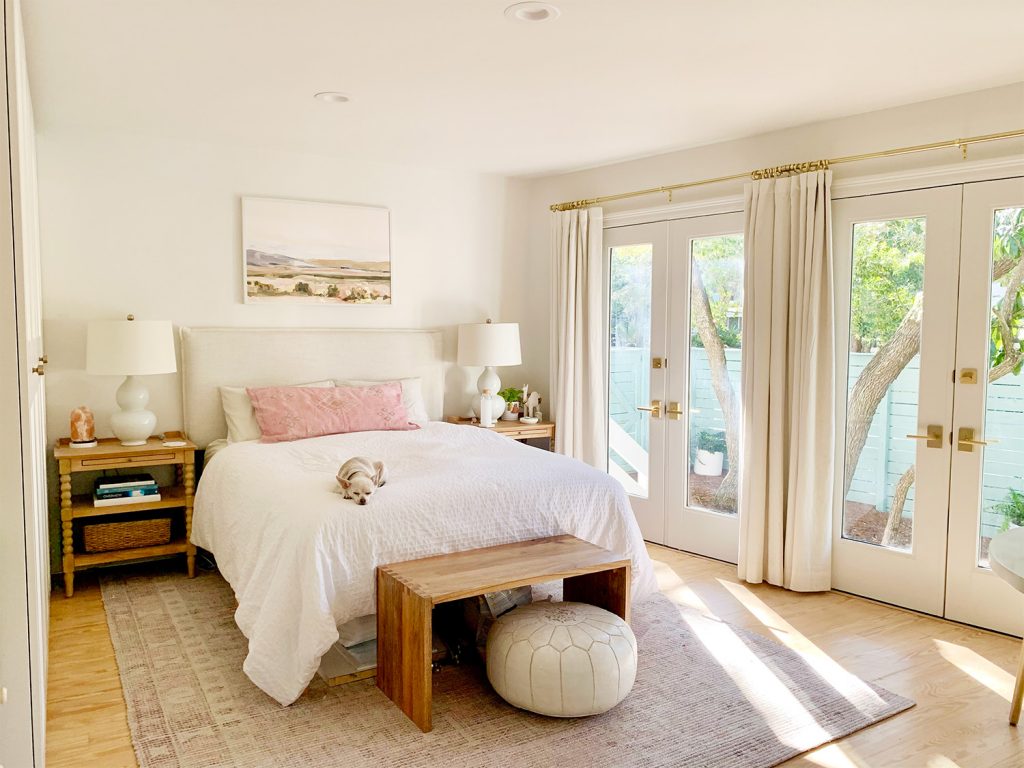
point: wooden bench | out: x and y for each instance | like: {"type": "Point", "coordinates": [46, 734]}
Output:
{"type": "Point", "coordinates": [407, 593]}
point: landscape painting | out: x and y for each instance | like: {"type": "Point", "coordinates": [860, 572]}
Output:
{"type": "Point", "coordinates": [315, 253]}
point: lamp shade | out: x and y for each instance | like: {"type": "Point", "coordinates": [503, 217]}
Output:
{"type": "Point", "coordinates": [489, 344]}
{"type": "Point", "coordinates": [130, 347]}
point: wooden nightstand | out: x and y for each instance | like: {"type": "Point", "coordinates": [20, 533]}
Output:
{"type": "Point", "coordinates": [515, 429]}
{"type": "Point", "coordinates": [110, 454]}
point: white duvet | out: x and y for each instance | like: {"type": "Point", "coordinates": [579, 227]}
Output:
{"type": "Point", "coordinates": [301, 559]}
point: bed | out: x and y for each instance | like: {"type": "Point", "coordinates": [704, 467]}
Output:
{"type": "Point", "coordinates": [299, 558]}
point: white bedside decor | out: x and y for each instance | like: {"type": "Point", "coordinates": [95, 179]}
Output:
{"type": "Point", "coordinates": [131, 348]}
{"type": "Point", "coordinates": [490, 345]}
{"type": "Point", "coordinates": [561, 659]}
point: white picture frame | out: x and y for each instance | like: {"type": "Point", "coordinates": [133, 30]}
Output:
{"type": "Point", "coordinates": [315, 253]}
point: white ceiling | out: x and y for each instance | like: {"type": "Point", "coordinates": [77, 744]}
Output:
{"type": "Point", "coordinates": [454, 83]}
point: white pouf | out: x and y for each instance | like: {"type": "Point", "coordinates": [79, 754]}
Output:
{"type": "Point", "coordinates": [561, 659]}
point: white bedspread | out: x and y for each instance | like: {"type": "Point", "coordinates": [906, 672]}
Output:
{"type": "Point", "coordinates": [301, 559]}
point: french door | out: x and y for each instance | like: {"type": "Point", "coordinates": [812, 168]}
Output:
{"type": "Point", "coordinates": [986, 491]}
{"type": "Point", "coordinates": [675, 352]}
{"type": "Point", "coordinates": [930, 309]}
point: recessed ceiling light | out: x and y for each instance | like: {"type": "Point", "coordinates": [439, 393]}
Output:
{"type": "Point", "coordinates": [335, 97]}
{"type": "Point", "coordinates": [532, 12]}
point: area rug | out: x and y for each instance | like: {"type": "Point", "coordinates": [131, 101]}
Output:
{"type": "Point", "coordinates": [707, 694]}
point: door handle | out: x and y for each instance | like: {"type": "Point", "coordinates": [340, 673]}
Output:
{"type": "Point", "coordinates": [674, 411]}
{"type": "Point", "coordinates": [654, 409]}
{"type": "Point", "coordinates": [934, 436]}
{"type": "Point", "coordinates": [38, 370]}
{"type": "Point", "coordinates": [965, 440]}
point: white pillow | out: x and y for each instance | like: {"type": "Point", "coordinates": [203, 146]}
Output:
{"type": "Point", "coordinates": [239, 415]}
{"type": "Point", "coordinates": [412, 396]}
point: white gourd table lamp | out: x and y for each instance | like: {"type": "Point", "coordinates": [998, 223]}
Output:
{"type": "Point", "coordinates": [490, 345]}
{"type": "Point", "coordinates": [131, 348]}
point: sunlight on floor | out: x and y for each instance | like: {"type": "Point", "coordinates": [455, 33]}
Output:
{"type": "Point", "coordinates": [778, 706]}
{"type": "Point", "coordinates": [940, 761]}
{"type": "Point", "coordinates": [993, 677]}
{"type": "Point", "coordinates": [673, 587]}
{"type": "Point", "coordinates": [836, 756]}
{"type": "Point", "coordinates": [853, 689]}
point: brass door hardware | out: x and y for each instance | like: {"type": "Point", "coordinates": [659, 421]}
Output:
{"type": "Point", "coordinates": [675, 411]}
{"type": "Point", "coordinates": [659, 362]}
{"type": "Point", "coordinates": [968, 375]}
{"type": "Point", "coordinates": [654, 409]}
{"type": "Point", "coordinates": [934, 436]}
{"type": "Point", "coordinates": [965, 440]}
{"type": "Point", "coordinates": [43, 360]}
{"type": "Point", "coordinates": [39, 370]}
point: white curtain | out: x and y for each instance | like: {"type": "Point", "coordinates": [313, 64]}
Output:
{"type": "Point", "coordinates": [579, 343]}
{"type": "Point", "coordinates": [788, 384]}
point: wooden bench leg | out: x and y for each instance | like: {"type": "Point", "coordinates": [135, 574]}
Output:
{"type": "Point", "coordinates": [404, 632]}
{"type": "Point", "coordinates": [605, 589]}
{"type": "Point", "coordinates": [1018, 689]}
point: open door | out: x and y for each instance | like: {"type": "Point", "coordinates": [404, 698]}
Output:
{"type": "Point", "coordinates": [24, 549]}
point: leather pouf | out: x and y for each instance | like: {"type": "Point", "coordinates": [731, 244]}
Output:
{"type": "Point", "coordinates": [561, 659]}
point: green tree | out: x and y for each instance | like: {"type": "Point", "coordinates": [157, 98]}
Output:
{"type": "Point", "coordinates": [888, 274]}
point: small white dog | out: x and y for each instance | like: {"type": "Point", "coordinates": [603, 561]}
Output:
{"type": "Point", "coordinates": [359, 478]}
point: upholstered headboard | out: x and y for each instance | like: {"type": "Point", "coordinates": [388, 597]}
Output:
{"type": "Point", "coordinates": [215, 357]}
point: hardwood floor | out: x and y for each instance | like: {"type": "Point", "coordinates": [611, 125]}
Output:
{"type": "Point", "coordinates": [961, 678]}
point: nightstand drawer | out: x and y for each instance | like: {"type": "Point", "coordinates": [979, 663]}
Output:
{"type": "Point", "coordinates": [124, 461]}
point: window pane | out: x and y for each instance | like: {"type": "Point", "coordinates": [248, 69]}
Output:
{"type": "Point", "coordinates": [885, 339]}
{"type": "Point", "coordinates": [716, 331]}
{"type": "Point", "coordinates": [1002, 491]}
{"type": "Point", "coordinates": [629, 366]}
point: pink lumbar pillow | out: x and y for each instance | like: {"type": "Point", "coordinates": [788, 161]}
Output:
{"type": "Point", "coordinates": [294, 413]}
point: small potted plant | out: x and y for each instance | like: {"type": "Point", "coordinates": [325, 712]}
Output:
{"type": "Point", "coordinates": [513, 398]}
{"type": "Point", "coordinates": [1011, 508]}
{"type": "Point", "coordinates": [710, 453]}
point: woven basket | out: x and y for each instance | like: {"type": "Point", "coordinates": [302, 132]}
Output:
{"type": "Point", "coordinates": [104, 537]}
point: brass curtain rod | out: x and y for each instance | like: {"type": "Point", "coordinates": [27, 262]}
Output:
{"type": "Point", "coordinates": [779, 170]}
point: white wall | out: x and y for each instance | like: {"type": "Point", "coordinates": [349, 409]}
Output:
{"type": "Point", "coordinates": [527, 262]}
{"type": "Point", "coordinates": [139, 224]}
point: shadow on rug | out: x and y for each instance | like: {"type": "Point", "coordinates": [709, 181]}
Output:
{"type": "Point", "coordinates": [707, 694]}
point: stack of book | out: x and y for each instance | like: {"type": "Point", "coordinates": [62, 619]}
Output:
{"type": "Point", "coordinates": [109, 491]}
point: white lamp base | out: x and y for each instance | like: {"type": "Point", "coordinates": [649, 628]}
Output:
{"type": "Point", "coordinates": [489, 380]}
{"type": "Point", "coordinates": [133, 424]}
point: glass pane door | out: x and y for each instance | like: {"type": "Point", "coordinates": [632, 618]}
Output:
{"type": "Point", "coordinates": [629, 363]}
{"type": "Point", "coordinates": [636, 326]}
{"type": "Point", "coordinates": [896, 262]}
{"type": "Point", "coordinates": [704, 397]}
{"type": "Point", "coordinates": [987, 481]}
{"type": "Point", "coordinates": [713, 392]}
{"type": "Point", "coordinates": [883, 378]}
